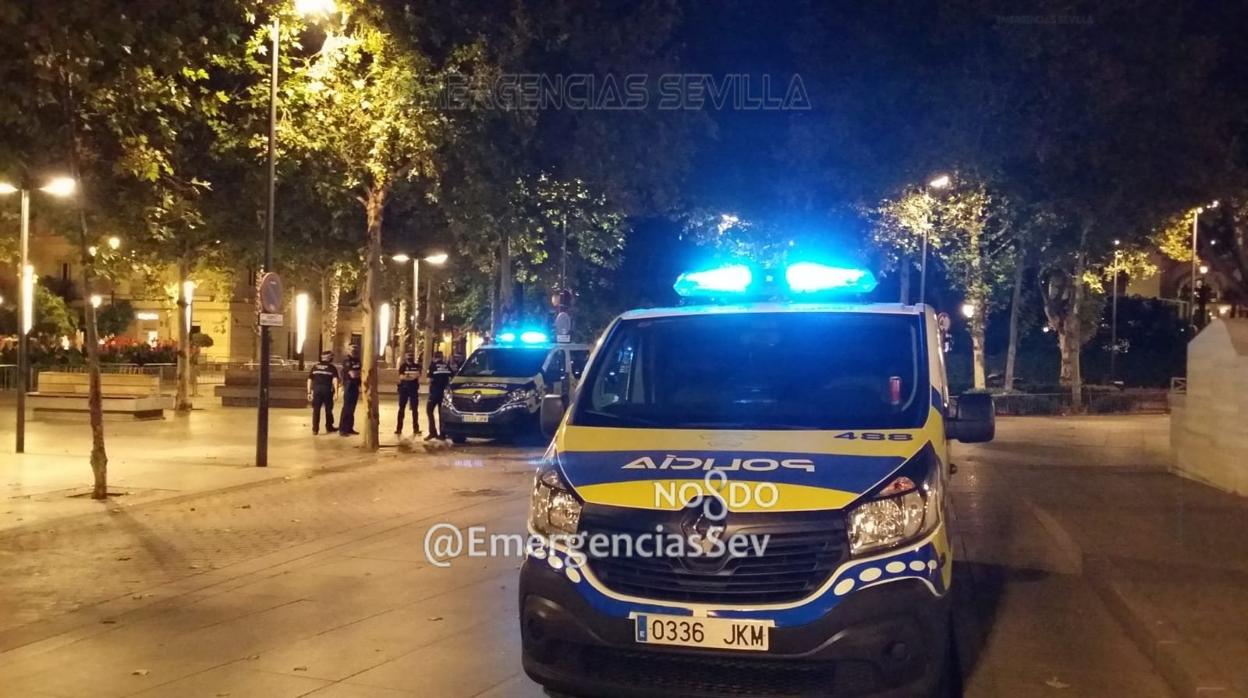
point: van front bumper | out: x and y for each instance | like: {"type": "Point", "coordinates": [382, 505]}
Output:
{"type": "Point", "coordinates": [501, 425]}
{"type": "Point", "coordinates": [887, 640]}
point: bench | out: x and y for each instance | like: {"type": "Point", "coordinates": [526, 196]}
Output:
{"type": "Point", "coordinates": [133, 395]}
{"type": "Point", "coordinates": [288, 387]}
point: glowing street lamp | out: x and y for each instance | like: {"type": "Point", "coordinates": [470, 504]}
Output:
{"type": "Point", "coordinates": [942, 181]}
{"type": "Point", "coordinates": [383, 329]}
{"type": "Point", "coordinates": [436, 259]}
{"type": "Point", "coordinates": [96, 300]}
{"type": "Point", "coordinates": [301, 325]}
{"type": "Point", "coordinates": [59, 187]}
{"type": "Point", "coordinates": [968, 310]}
{"type": "Point", "coordinates": [114, 242]}
{"type": "Point", "coordinates": [188, 292]}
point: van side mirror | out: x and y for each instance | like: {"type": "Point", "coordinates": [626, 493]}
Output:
{"type": "Point", "coordinates": [973, 420]}
{"type": "Point", "coordinates": [552, 414]}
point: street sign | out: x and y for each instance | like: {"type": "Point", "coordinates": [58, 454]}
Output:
{"type": "Point", "coordinates": [563, 328]}
{"type": "Point", "coordinates": [269, 294]}
{"type": "Point", "coordinates": [271, 319]}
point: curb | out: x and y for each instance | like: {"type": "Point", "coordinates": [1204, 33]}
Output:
{"type": "Point", "coordinates": [1190, 674]}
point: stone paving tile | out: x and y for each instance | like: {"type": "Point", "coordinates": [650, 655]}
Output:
{"type": "Point", "coordinates": [467, 663]}
{"type": "Point", "coordinates": [349, 690]}
{"type": "Point", "coordinates": [518, 686]}
{"type": "Point", "coordinates": [236, 681]}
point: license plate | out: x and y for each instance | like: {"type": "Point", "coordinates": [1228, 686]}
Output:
{"type": "Point", "coordinates": [711, 633]}
{"type": "Point", "coordinates": [476, 418]}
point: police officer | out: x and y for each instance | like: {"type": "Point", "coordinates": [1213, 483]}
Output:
{"type": "Point", "coordinates": [409, 392]}
{"type": "Point", "coordinates": [440, 373]}
{"type": "Point", "coordinates": [322, 382]}
{"type": "Point", "coordinates": [351, 371]}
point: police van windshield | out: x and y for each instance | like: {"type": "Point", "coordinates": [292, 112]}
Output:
{"type": "Point", "coordinates": [517, 362]}
{"type": "Point", "coordinates": [794, 370]}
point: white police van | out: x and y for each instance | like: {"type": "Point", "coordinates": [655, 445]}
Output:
{"type": "Point", "coordinates": [749, 498]}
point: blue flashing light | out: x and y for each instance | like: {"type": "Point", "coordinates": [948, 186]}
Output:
{"type": "Point", "coordinates": [812, 277]}
{"type": "Point", "coordinates": [524, 337]}
{"type": "Point", "coordinates": [734, 278]}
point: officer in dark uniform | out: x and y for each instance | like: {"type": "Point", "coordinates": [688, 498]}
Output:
{"type": "Point", "coordinates": [351, 371]}
{"type": "Point", "coordinates": [322, 382]}
{"type": "Point", "coordinates": [409, 392]}
{"type": "Point", "coordinates": [440, 373]}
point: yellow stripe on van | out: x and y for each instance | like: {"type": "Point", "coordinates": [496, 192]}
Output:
{"type": "Point", "coordinates": [489, 392]}
{"type": "Point", "coordinates": [740, 496]}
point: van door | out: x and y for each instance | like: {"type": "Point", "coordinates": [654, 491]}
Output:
{"type": "Point", "coordinates": [555, 373]}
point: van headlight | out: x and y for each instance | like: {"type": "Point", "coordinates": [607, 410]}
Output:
{"type": "Point", "coordinates": [524, 396]}
{"type": "Point", "coordinates": [901, 512]}
{"type": "Point", "coordinates": [553, 509]}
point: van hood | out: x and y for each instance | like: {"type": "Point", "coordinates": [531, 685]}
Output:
{"type": "Point", "coordinates": [772, 471]}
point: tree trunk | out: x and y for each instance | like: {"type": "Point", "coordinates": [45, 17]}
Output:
{"type": "Point", "coordinates": [330, 310]}
{"type": "Point", "coordinates": [95, 407]}
{"type": "Point", "coordinates": [978, 330]}
{"type": "Point", "coordinates": [496, 316]}
{"type": "Point", "coordinates": [375, 205]}
{"type": "Point", "coordinates": [506, 284]}
{"type": "Point", "coordinates": [404, 327]}
{"type": "Point", "coordinates": [99, 457]}
{"type": "Point", "coordinates": [1011, 352]}
{"type": "Point", "coordinates": [903, 269]}
{"type": "Point", "coordinates": [1063, 344]}
{"type": "Point", "coordinates": [979, 298]}
{"type": "Point", "coordinates": [182, 402]}
{"type": "Point", "coordinates": [1075, 330]}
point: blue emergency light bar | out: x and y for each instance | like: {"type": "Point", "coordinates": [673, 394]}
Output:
{"type": "Point", "coordinates": [525, 337]}
{"type": "Point", "coordinates": [734, 278]}
{"type": "Point", "coordinates": [800, 278]}
{"type": "Point", "coordinates": [812, 277]}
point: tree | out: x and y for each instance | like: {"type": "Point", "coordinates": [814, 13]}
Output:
{"type": "Point", "coordinates": [96, 87]}
{"type": "Point", "coordinates": [364, 103]}
{"type": "Point", "coordinates": [114, 318]}
{"type": "Point", "coordinates": [969, 232]}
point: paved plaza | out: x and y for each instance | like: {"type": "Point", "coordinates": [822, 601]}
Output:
{"type": "Point", "coordinates": [214, 578]}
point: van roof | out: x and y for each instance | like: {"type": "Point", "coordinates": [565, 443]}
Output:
{"type": "Point", "coordinates": [772, 307]}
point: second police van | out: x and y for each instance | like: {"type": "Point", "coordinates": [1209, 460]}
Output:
{"type": "Point", "coordinates": [497, 393]}
{"type": "Point", "coordinates": [750, 498]}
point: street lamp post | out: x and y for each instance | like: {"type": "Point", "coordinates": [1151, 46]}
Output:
{"type": "Point", "coordinates": [303, 7]}
{"type": "Point", "coordinates": [1113, 325]}
{"type": "Point", "coordinates": [436, 259]}
{"type": "Point", "coordinates": [60, 186]}
{"type": "Point", "coordinates": [1196, 257]}
{"type": "Point", "coordinates": [940, 182]}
